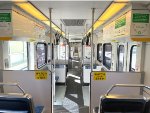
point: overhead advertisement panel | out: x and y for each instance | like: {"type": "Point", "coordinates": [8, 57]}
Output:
{"type": "Point", "coordinates": [122, 26]}
{"type": "Point", "coordinates": [140, 26]}
{"type": "Point", "coordinates": [120, 22]}
{"type": "Point", "coordinates": [5, 17]}
{"type": "Point", "coordinates": [118, 28]}
{"type": "Point", "coordinates": [133, 25]}
{"type": "Point", "coordinates": [5, 25]}
{"type": "Point", "coordinates": [108, 31]}
{"type": "Point", "coordinates": [140, 18]}
{"type": "Point", "coordinates": [17, 25]}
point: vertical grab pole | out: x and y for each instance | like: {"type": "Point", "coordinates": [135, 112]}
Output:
{"type": "Point", "coordinates": [65, 46]}
{"type": "Point", "coordinates": [65, 55]}
{"type": "Point", "coordinates": [69, 53]}
{"type": "Point", "coordinates": [50, 15]}
{"type": "Point", "coordinates": [60, 37]}
{"type": "Point", "coordinates": [53, 77]}
{"type": "Point", "coordinates": [93, 10]}
{"type": "Point", "coordinates": [54, 53]}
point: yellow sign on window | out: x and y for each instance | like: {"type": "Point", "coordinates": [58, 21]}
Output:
{"type": "Point", "coordinates": [41, 75]}
{"type": "Point", "coordinates": [99, 76]}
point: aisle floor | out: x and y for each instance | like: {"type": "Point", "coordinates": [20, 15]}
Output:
{"type": "Point", "coordinates": [74, 97]}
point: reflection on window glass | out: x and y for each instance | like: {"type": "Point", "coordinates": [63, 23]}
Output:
{"type": "Point", "coordinates": [133, 58]}
{"type": "Point", "coordinates": [121, 58]}
{"type": "Point", "coordinates": [99, 54]}
{"type": "Point", "coordinates": [41, 54]}
{"type": "Point", "coordinates": [107, 55]}
{"type": "Point", "coordinates": [17, 54]}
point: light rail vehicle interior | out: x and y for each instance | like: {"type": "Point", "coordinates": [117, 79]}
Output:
{"type": "Point", "coordinates": [61, 56]}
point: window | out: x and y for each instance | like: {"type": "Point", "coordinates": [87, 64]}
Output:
{"type": "Point", "coordinates": [61, 52]}
{"type": "Point", "coordinates": [107, 55]}
{"type": "Point", "coordinates": [120, 58]}
{"type": "Point", "coordinates": [41, 50]}
{"type": "Point", "coordinates": [133, 58]}
{"type": "Point", "coordinates": [17, 55]}
{"type": "Point", "coordinates": [99, 52]}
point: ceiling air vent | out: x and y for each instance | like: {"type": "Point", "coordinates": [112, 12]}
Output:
{"type": "Point", "coordinates": [76, 39]}
{"type": "Point", "coordinates": [73, 22]}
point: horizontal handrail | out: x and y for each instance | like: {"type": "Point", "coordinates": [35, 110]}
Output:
{"type": "Point", "coordinates": [13, 84]}
{"type": "Point", "coordinates": [126, 85]}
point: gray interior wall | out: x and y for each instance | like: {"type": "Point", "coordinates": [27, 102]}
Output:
{"type": "Point", "coordinates": [147, 64]}
{"type": "Point", "coordinates": [5, 54]}
{"type": "Point", "coordinates": [95, 41]}
{"type": "Point", "coordinates": [100, 87]}
{"type": "Point", "coordinates": [1, 55]}
{"type": "Point", "coordinates": [1, 80]}
{"type": "Point", "coordinates": [40, 90]}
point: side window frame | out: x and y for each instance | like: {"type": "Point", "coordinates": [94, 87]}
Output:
{"type": "Point", "coordinates": [45, 46]}
{"type": "Point", "coordinates": [131, 51]}
{"type": "Point", "coordinates": [104, 60]}
{"type": "Point", "coordinates": [119, 56]}
{"type": "Point", "coordinates": [98, 49]}
{"type": "Point", "coordinates": [24, 53]}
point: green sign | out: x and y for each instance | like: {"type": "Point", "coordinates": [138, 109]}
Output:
{"type": "Point", "coordinates": [140, 18]}
{"type": "Point", "coordinates": [120, 22]}
{"type": "Point", "coordinates": [5, 17]}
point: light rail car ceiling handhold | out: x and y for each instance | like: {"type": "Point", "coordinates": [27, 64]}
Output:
{"type": "Point", "coordinates": [57, 36]}
{"type": "Point", "coordinates": [88, 39]}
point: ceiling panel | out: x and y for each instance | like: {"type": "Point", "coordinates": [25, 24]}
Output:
{"type": "Point", "coordinates": [72, 10]}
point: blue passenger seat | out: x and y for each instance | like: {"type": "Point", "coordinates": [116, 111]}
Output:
{"type": "Point", "coordinates": [123, 104]}
{"type": "Point", "coordinates": [114, 103]}
{"type": "Point", "coordinates": [56, 78]}
{"type": "Point", "coordinates": [18, 102]}
{"type": "Point", "coordinates": [39, 109]}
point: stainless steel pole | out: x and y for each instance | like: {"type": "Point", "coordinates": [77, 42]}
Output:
{"type": "Point", "coordinates": [60, 37]}
{"type": "Point", "coordinates": [65, 46]}
{"type": "Point", "coordinates": [50, 20]}
{"type": "Point", "coordinates": [54, 53]}
{"type": "Point", "coordinates": [69, 48]}
{"type": "Point", "coordinates": [93, 10]}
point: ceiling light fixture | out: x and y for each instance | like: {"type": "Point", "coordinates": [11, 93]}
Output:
{"type": "Point", "coordinates": [32, 10]}
{"type": "Point", "coordinates": [113, 9]}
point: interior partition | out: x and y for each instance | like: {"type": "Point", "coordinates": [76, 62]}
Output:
{"type": "Point", "coordinates": [36, 83]}
{"type": "Point", "coordinates": [101, 82]}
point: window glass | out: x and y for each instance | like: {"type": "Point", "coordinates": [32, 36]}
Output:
{"type": "Point", "coordinates": [133, 57]}
{"type": "Point", "coordinates": [121, 58]}
{"type": "Point", "coordinates": [99, 52]}
{"type": "Point", "coordinates": [17, 55]}
{"type": "Point", "coordinates": [16, 47]}
{"type": "Point", "coordinates": [41, 51]}
{"type": "Point", "coordinates": [61, 52]}
{"type": "Point", "coordinates": [107, 55]}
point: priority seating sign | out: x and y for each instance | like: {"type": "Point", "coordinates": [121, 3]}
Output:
{"type": "Point", "coordinates": [99, 75]}
{"type": "Point", "coordinates": [41, 75]}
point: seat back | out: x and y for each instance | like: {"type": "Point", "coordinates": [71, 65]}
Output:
{"type": "Point", "coordinates": [122, 105]}
{"type": "Point", "coordinates": [16, 103]}
{"type": "Point", "coordinates": [147, 107]}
